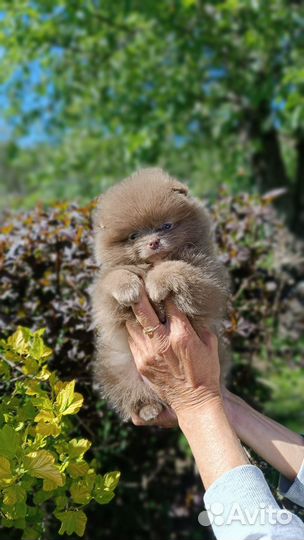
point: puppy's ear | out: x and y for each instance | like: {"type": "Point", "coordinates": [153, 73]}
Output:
{"type": "Point", "coordinates": [180, 188]}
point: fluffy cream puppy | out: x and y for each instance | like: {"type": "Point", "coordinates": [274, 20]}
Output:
{"type": "Point", "coordinates": [150, 232]}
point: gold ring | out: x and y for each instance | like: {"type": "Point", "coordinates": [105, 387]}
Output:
{"type": "Point", "coordinates": [150, 330]}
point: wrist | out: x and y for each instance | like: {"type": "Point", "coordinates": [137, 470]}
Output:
{"type": "Point", "coordinates": [187, 414]}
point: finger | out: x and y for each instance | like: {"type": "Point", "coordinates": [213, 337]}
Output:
{"type": "Point", "coordinates": [178, 321]}
{"type": "Point", "coordinates": [207, 337]}
{"type": "Point", "coordinates": [138, 421]}
{"type": "Point", "coordinates": [145, 361]}
{"type": "Point", "coordinates": [137, 354]}
{"type": "Point", "coordinates": [136, 333]}
{"type": "Point", "coordinates": [145, 313]}
{"type": "Point", "coordinates": [166, 419]}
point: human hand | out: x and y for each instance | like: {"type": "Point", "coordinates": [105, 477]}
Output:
{"type": "Point", "coordinates": [181, 367]}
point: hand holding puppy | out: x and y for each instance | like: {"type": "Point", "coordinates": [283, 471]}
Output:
{"type": "Point", "coordinates": [182, 368]}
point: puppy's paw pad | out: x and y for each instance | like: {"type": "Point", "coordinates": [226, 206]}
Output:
{"type": "Point", "coordinates": [149, 412]}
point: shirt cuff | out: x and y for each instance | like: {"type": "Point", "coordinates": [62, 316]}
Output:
{"type": "Point", "coordinates": [293, 490]}
{"type": "Point", "coordinates": [240, 504]}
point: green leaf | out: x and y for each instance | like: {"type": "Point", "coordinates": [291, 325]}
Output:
{"type": "Point", "coordinates": [26, 412]}
{"type": "Point", "coordinates": [30, 533]}
{"type": "Point", "coordinates": [61, 501]}
{"type": "Point", "coordinates": [16, 523]}
{"type": "Point", "coordinates": [41, 464]}
{"type": "Point", "coordinates": [68, 401]}
{"type": "Point", "coordinates": [41, 496]}
{"type": "Point", "coordinates": [9, 442]}
{"type": "Point", "coordinates": [104, 497]}
{"type": "Point", "coordinates": [72, 522]}
{"type": "Point", "coordinates": [17, 511]}
{"type": "Point", "coordinates": [102, 494]}
{"type": "Point", "coordinates": [5, 371]}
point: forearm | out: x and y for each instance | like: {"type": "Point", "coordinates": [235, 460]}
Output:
{"type": "Point", "coordinates": [236, 492]}
{"type": "Point", "coordinates": [279, 446]}
{"type": "Point", "coordinates": [214, 445]}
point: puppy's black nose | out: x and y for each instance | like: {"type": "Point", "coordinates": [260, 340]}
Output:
{"type": "Point", "coordinates": [153, 244]}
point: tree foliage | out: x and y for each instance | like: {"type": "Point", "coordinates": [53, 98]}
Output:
{"type": "Point", "coordinates": [42, 467]}
{"type": "Point", "coordinates": [186, 84]}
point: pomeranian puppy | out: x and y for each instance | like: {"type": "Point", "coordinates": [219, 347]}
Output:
{"type": "Point", "coordinates": [149, 230]}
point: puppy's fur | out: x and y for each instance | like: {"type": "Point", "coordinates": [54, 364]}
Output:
{"type": "Point", "coordinates": [149, 230]}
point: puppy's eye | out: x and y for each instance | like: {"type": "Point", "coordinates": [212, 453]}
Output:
{"type": "Point", "coordinates": [166, 226]}
{"type": "Point", "coordinates": [133, 236]}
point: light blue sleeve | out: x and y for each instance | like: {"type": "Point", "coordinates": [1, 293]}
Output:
{"type": "Point", "coordinates": [241, 506]}
{"type": "Point", "coordinates": [294, 491]}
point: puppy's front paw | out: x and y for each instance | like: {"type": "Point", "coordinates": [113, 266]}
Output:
{"type": "Point", "coordinates": [158, 286]}
{"type": "Point", "coordinates": [149, 412]}
{"type": "Point", "coordinates": [128, 290]}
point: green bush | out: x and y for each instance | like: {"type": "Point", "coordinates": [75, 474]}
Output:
{"type": "Point", "coordinates": [40, 461]}
{"type": "Point", "coordinates": [46, 267]}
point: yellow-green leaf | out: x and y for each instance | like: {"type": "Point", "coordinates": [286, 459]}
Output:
{"type": "Point", "coordinates": [45, 416]}
{"type": "Point", "coordinates": [72, 522]}
{"type": "Point", "coordinates": [30, 367]}
{"type": "Point", "coordinates": [19, 341]}
{"type": "Point", "coordinates": [33, 388]}
{"type": "Point", "coordinates": [77, 469]}
{"type": "Point", "coordinates": [5, 469]}
{"type": "Point", "coordinates": [111, 480]}
{"type": "Point", "coordinates": [44, 373]}
{"type": "Point", "coordinates": [39, 350]}
{"type": "Point", "coordinates": [68, 401]}
{"type": "Point", "coordinates": [102, 494]}
{"type": "Point", "coordinates": [80, 492]}
{"type": "Point", "coordinates": [43, 402]}
{"type": "Point", "coordinates": [50, 485]}
{"type": "Point", "coordinates": [13, 494]}
{"type": "Point", "coordinates": [78, 447]}
{"type": "Point", "coordinates": [48, 429]}
{"type": "Point", "coordinates": [41, 464]}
